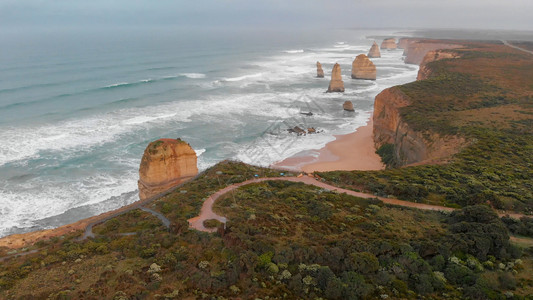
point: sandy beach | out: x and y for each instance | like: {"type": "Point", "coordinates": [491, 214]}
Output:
{"type": "Point", "coordinates": [354, 151]}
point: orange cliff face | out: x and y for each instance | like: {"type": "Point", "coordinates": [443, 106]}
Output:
{"type": "Point", "coordinates": [417, 50]}
{"type": "Point", "coordinates": [424, 72]}
{"type": "Point", "coordinates": [410, 147]}
{"type": "Point", "coordinates": [165, 163]}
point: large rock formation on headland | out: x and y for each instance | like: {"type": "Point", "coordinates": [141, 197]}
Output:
{"type": "Point", "coordinates": [165, 163]}
{"type": "Point", "coordinates": [374, 51]}
{"type": "Point", "coordinates": [403, 43]}
{"type": "Point", "coordinates": [336, 84]}
{"type": "Point", "coordinates": [424, 71]}
{"type": "Point", "coordinates": [417, 50]}
{"type": "Point", "coordinates": [363, 68]}
{"type": "Point", "coordinates": [410, 147]}
{"type": "Point", "coordinates": [388, 44]}
{"type": "Point", "coordinates": [319, 71]}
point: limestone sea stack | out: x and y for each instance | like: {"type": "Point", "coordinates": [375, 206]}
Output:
{"type": "Point", "coordinates": [389, 44]}
{"type": "Point", "coordinates": [363, 68]}
{"type": "Point", "coordinates": [374, 51]}
{"type": "Point", "coordinates": [348, 105]}
{"type": "Point", "coordinates": [336, 84]}
{"type": "Point", "coordinates": [319, 71]}
{"type": "Point", "coordinates": [165, 164]}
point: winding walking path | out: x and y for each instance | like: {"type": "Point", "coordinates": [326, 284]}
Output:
{"type": "Point", "coordinates": [207, 213]}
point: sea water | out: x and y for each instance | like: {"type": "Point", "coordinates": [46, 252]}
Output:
{"type": "Point", "coordinates": [77, 109]}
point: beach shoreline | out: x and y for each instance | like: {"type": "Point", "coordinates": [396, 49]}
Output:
{"type": "Point", "coordinates": [348, 152]}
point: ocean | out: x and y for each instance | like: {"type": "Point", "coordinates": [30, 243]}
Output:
{"type": "Point", "coordinates": [77, 109]}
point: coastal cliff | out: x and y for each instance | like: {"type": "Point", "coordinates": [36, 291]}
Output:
{"type": "Point", "coordinates": [424, 72]}
{"type": "Point", "coordinates": [415, 51]}
{"type": "Point", "coordinates": [410, 147]}
{"type": "Point", "coordinates": [165, 163]}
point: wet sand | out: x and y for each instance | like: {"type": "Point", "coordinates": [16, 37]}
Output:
{"type": "Point", "coordinates": [354, 151]}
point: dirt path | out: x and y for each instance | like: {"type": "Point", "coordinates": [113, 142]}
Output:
{"type": "Point", "coordinates": [207, 212]}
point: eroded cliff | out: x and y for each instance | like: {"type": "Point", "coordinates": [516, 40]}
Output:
{"type": "Point", "coordinates": [410, 147]}
{"type": "Point", "coordinates": [417, 50]}
{"type": "Point", "coordinates": [424, 71]}
{"type": "Point", "coordinates": [165, 163]}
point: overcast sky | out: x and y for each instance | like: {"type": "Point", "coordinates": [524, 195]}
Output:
{"type": "Point", "coordinates": [476, 14]}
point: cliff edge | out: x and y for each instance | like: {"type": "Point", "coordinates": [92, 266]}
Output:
{"type": "Point", "coordinates": [415, 51]}
{"type": "Point", "coordinates": [165, 163]}
{"type": "Point", "coordinates": [410, 147]}
{"type": "Point", "coordinates": [424, 72]}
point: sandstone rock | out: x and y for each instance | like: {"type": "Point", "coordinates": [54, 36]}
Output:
{"type": "Point", "coordinates": [336, 84]}
{"type": "Point", "coordinates": [165, 163]}
{"type": "Point", "coordinates": [311, 130]}
{"type": "Point", "coordinates": [403, 43]}
{"type": "Point", "coordinates": [319, 71]}
{"type": "Point", "coordinates": [417, 50]}
{"type": "Point", "coordinates": [363, 68]}
{"type": "Point", "coordinates": [348, 105]}
{"type": "Point", "coordinates": [410, 147]}
{"type": "Point", "coordinates": [374, 51]}
{"type": "Point", "coordinates": [388, 44]}
{"type": "Point", "coordinates": [424, 72]}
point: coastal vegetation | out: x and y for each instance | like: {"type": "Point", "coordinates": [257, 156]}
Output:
{"type": "Point", "coordinates": [282, 240]}
{"type": "Point", "coordinates": [485, 97]}
{"type": "Point", "coordinates": [286, 240]}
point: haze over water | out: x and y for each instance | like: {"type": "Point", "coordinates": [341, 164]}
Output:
{"type": "Point", "coordinates": [78, 109]}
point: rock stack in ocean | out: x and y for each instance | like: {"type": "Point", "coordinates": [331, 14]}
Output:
{"type": "Point", "coordinates": [336, 84]}
{"type": "Point", "coordinates": [165, 164]}
{"type": "Point", "coordinates": [348, 105]}
{"type": "Point", "coordinates": [363, 68]}
{"type": "Point", "coordinates": [319, 71]}
{"type": "Point", "coordinates": [389, 44]}
{"type": "Point", "coordinates": [374, 51]}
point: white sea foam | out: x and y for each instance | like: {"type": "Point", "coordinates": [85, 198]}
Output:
{"type": "Point", "coordinates": [193, 75]}
{"type": "Point", "coordinates": [282, 87]}
{"type": "Point", "coordinates": [117, 84]}
{"type": "Point", "coordinates": [199, 152]}
{"type": "Point", "coordinates": [82, 134]}
{"type": "Point", "coordinates": [294, 51]}
{"type": "Point", "coordinates": [244, 77]}
{"type": "Point", "coordinates": [18, 209]}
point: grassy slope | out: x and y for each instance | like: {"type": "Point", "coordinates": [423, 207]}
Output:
{"type": "Point", "coordinates": [487, 97]}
